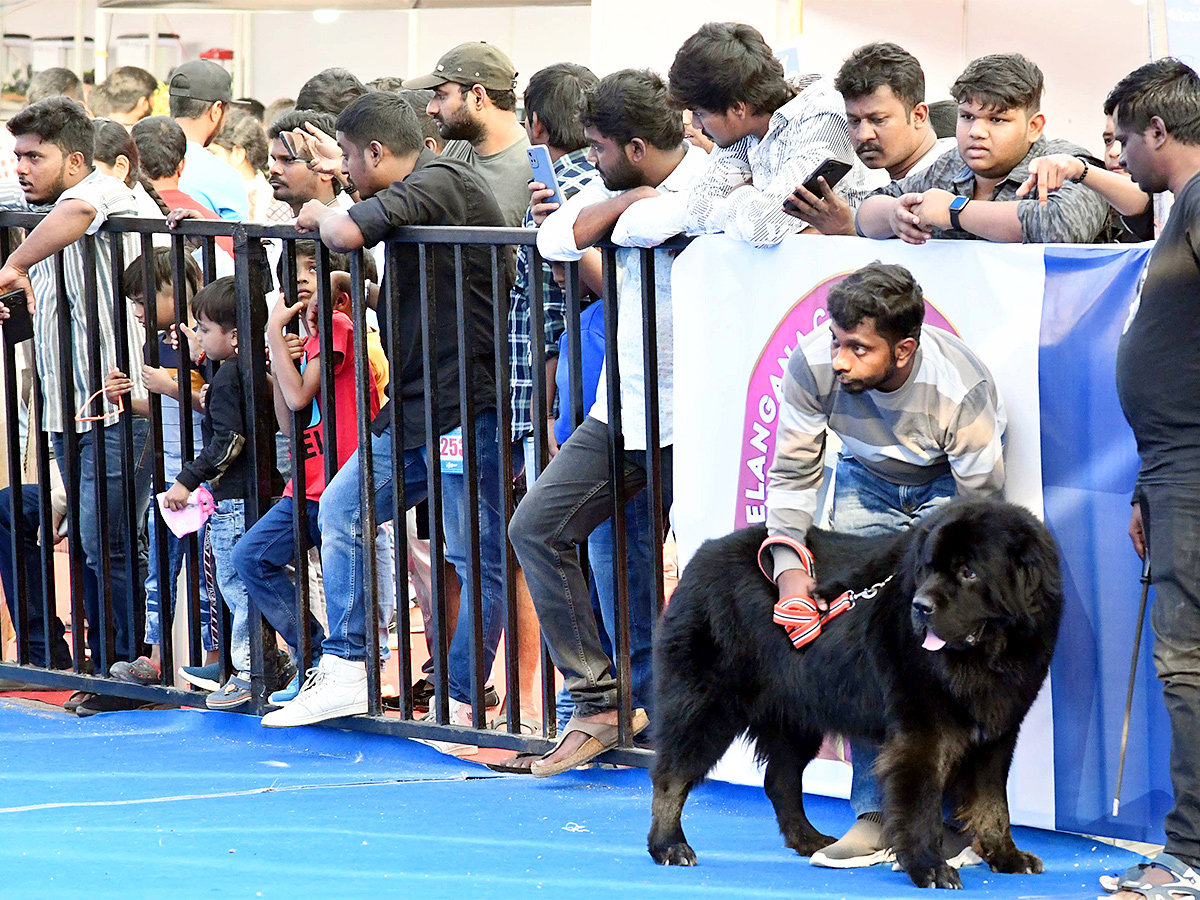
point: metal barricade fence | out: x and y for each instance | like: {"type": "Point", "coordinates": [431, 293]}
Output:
{"type": "Point", "coordinates": [434, 246]}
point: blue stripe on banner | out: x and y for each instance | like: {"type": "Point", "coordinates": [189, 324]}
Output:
{"type": "Point", "coordinates": [1089, 463]}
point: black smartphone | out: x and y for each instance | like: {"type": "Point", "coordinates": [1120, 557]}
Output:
{"type": "Point", "coordinates": [19, 324]}
{"type": "Point", "coordinates": [832, 170]}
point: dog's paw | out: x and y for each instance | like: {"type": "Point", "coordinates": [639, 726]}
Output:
{"type": "Point", "coordinates": [1019, 862]}
{"type": "Point", "coordinates": [941, 876]}
{"type": "Point", "coordinates": [674, 855]}
{"type": "Point", "coordinates": [806, 843]}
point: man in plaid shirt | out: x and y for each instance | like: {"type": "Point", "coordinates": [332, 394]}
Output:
{"type": "Point", "coordinates": [553, 103]}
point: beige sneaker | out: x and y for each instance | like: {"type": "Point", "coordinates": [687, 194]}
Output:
{"type": "Point", "coordinates": [460, 714]}
{"type": "Point", "coordinates": [861, 846]}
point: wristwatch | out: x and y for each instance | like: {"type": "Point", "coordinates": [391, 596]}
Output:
{"type": "Point", "coordinates": [956, 206]}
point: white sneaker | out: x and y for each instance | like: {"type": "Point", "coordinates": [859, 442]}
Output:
{"type": "Point", "coordinates": [460, 714]}
{"type": "Point", "coordinates": [336, 687]}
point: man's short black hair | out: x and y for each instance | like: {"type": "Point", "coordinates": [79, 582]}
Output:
{"type": "Point", "coordinates": [277, 109]}
{"type": "Point", "coordinates": [943, 116]}
{"type": "Point", "coordinates": [161, 144]}
{"type": "Point", "coordinates": [632, 103]}
{"type": "Point", "coordinates": [218, 303]}
{"type": "Point", "coordinates": [134, 279]}
{"type": "Point", "coordinates": [330, 91]}
{"type": "Point", "coordinates": [54, 82]}
{"type": "Point", "coordinates": [419, 101]}
{"type": "Point", "coordinates": [1001, 81]}
{"type": "Point", "coordinates": [190, 107]}
{"type": "Point", "coordinates": [887, 294]}
{"type": "Point", "coordinates": [252, 107]}
{"type": "Point", "coordinates": [126, 86]}
{"type": "Point", "coordinates": [99, 102]}
{"type": "Point", "coordinates": [558, 95]}
{"type": "Point", "coordinates": [297, 118]}
{"type": "Point", "coordinates": [385, 117]}
{"type": "Point", "coordinates": [726, 63]}
{"type": "Point", "coordinates": [882, 64]}
{"type": "Point", "coordinates": [1166, 88]}
{"type": "Point", "coordinates": [59, 121]}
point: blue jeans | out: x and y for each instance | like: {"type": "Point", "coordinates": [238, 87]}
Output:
{"type": "Point", "coordinates": [864, 503]}
{"type": "Point", "coordinates": [87, 495]}
{"type": "Point", "coordinates": [343, 544]}
{"type": "Point", "coordinates": [225, 528]}
{"type": "Point", "coordinates": [175, 552]}
{"type": "Point", "coordinates": [261, 559]}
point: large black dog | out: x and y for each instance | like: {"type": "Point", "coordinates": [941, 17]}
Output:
{"type": "Point", "coordinates": [941, 664]}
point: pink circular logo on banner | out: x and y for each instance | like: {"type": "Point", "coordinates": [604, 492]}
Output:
{"type": "Point", "coordinates": [764, 395]}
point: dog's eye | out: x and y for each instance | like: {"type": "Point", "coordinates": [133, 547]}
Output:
{"type": "Point", "coordinates": [966, 573]}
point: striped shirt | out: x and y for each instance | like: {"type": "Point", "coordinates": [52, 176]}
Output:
{"type": "Point", "coordinates": [947, 417]}
{"type": "Point", "coordinates": [803, 133]}
{"type": "Point", "coordinates": [108, 196]}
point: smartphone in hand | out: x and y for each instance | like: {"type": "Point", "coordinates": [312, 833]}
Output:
{"type": "Point", "coordinates": [832, 170]}
{"type": "Point", "coordinates": [543, 171]}
{"type": "Point", "coordinates": [19, 324]}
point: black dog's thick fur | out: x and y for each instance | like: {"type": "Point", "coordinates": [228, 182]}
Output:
{"type": "Point", "coordinates": [982, 575]}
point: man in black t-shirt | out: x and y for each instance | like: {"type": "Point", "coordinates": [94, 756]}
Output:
{"type": "Point", "coordinates": [402, 183]}
{"type": "Point", "coordinates": [1158, 382]}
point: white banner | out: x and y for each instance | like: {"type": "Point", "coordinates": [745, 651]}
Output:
{"type": "Point", "coordinates": [738, 312]}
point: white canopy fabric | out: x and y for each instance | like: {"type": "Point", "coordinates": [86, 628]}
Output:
{"type": "Point", "coordinates": [309, 5]}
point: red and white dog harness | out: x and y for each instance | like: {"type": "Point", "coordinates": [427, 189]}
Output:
{"type": "Point", "coordinates": [799, 615]}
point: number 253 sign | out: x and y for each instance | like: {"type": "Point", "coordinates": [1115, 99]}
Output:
{"type": "Point", "coordinates": [452, 452]}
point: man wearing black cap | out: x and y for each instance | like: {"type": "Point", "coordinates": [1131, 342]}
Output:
{"type": "Point", "coordinates": [201, 94]}
{"type": "Point", "coordinates": [475, 101]}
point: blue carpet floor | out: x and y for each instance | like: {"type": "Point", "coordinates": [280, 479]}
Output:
{"type": "Point", "coordinates": [182, 804]}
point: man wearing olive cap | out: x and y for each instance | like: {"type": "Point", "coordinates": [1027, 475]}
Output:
{"type": "Point", "coordinates": [474, 103]}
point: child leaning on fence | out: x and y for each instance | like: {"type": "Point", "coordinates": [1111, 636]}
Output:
{"type": "Point", "coordinates": [162, 380]}
{"type": "Point", "coordinates": [223, 464]}
{"type": "Point", "coordinates": [263, 555]}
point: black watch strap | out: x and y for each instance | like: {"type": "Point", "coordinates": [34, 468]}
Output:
{"type": "Point", "coordinates": [954, 215]}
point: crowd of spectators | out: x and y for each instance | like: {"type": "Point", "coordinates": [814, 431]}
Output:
{"type": "Point", "coordinates": [724, 143]}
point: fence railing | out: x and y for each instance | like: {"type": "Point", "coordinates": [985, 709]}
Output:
{"type": "Point", "coordinates": [31, 505]}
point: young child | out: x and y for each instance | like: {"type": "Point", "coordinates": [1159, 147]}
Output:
{"type": "Point", "coordinates": [263, 555]}
{"type": "Point", "coordinates": [164, 381]}
{"type": "Point", "coordinates": [228, 471]}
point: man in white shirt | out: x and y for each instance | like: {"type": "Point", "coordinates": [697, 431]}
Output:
{"type": "Point", "coordinates": [771, 135]}
{"type": "Point", "coordinates": [646, 170]}
{"type": "Point", "coordinates": [883, 86]}
{"type": "Point", "coordinates": [54, 144]}
{"type": "Point", "coordinates": [201, 94]}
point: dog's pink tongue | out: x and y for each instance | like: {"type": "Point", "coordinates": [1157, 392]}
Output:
{"type": "Point", "coordinates": [932, 641]}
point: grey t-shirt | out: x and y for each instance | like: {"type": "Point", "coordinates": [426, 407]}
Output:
{"type": "Point", "coordinates": [507, 173]}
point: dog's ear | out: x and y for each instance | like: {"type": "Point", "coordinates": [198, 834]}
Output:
{"type": "Point", "coordinates": [1035, 578]}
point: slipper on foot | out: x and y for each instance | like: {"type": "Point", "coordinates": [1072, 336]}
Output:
{"type": "Point", "coordinates": [600, 737]}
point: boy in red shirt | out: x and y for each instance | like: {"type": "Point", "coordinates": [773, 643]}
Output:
{"type": "Point", "coordinates": [261, 557]}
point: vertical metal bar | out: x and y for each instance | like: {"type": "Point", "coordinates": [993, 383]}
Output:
{"type": "Point", "coordinates": [260, 444]}
{"type": "Point", "coordinates": [391, 316]}
{"type": "Point", "coordinates": [574, 345]}
{"type": "Point", "coordinates": [616, 459]}
{"type": "Point", "coordinates": [120, 313]}
{"type": "Point", "coordinates": [329, 412]}
{"type": "Point", "coordinates": [187, 451]}
{"type": "Point", "coordinates": [209, 256]}
{"type": "Point", "coordinates": [149, 288]}
{"type": "Point", "coordinates": [537, 363]}
{"type": "Point", "coordinates": [512, 644]}
{"type": "Point", "coordinates": [366, 475]}
{"type": "Point", "coordinates": [45, 512]}
{"type": "Point", "coordinates": [437, 557]}
{"type": "Point", "coordinates": [470, 475]}
{"type": "Point", "coordinates": [20, 603]}
{"type": "Point", "coordinates": [69, 467]}
{"type": "Point", "coordinates": [654, 473]}
{"type": "Point", "coordinates": [300, 524]}
{"type": "Point", "coordinates": [99, 456]}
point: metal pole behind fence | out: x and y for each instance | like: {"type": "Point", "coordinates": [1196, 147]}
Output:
{"type": "Point", "coordinates": [391, 306]}
{"type": "Point", "coordinates": [107, 624]}
{"type": "Point", "coordinates": [437, 558]}
{"type": "Point", "coordinates": [19, 604]}
{"type": "Point", "coordinates": [69, 467]}
{"type": "Point", "coordinates": [654, 472]}
{"type": "Point", "coordinates": [616, 451]}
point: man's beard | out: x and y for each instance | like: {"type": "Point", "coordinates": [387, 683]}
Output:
{"type": "Point", "coordinates": [862, 385]}
{"type": "Point", "coordinates": [52, 193]}
{"type": "Point", "coordinates": [622, 176]}
{"type": "Point", "coordinates": [461, 128]}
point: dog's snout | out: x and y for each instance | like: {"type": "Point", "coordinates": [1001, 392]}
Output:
{"type": "Point", "coordinates": [922, 605]}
